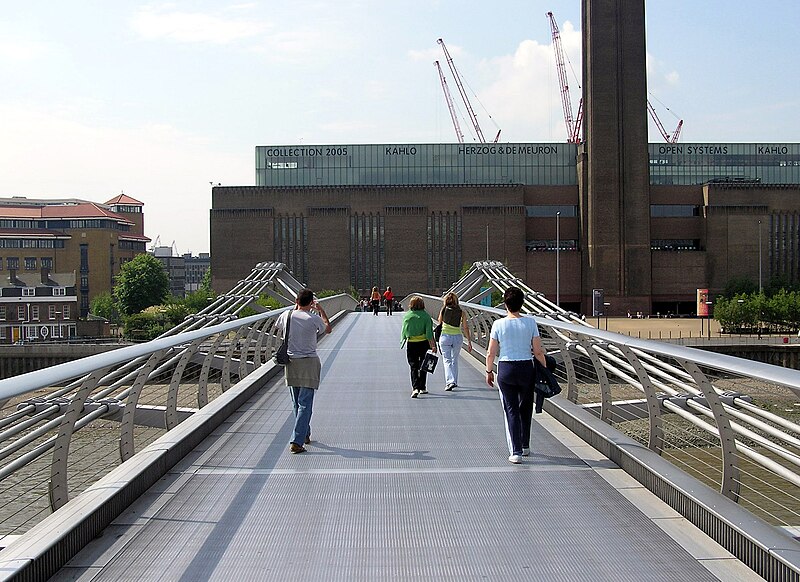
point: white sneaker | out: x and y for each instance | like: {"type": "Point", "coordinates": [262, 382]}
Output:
{"type": "Point", "coordinates": [516, 459]}
{"type": "Point", "coordinates": [414, 393]}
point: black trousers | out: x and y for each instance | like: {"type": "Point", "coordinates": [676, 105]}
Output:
{"type": "Point", "coordinates": [415, 353]}
{"type": "Point", "coordinates": [515, 381]}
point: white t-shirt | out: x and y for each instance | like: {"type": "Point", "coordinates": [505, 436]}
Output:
{"type": "Point", "coordinates": [514, 334]}
{"type": "Point", "coordinates": [302, 332]}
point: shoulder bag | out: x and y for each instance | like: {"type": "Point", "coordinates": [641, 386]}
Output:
{"type": "Point", "coordinates": [281, 355]}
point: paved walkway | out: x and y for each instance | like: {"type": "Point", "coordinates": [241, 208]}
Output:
{"type": "Point", "coordinates": [395, 488]}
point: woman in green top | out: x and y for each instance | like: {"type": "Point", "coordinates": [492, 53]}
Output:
{"type": "Point", "coordinates": [454, 322]}
{"type": "Point", "coordinates": [417, 334]}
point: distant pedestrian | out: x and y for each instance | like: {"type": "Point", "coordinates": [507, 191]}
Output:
{"type": "Point", "coordinates": [515, 337]}
{"type": "Point", "coordinates": [388, 298]}
{"type": "Point", "coordinates": [302, 374]}
{"type": "Point", "coordinates": [453, 320]}
{"type": "Point", "coordinates": [375, 300]}
{"type": "Point", "coordinates": [417, 335]}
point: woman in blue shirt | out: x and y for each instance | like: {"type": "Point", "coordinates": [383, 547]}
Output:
{"type": "Point", "coordinates": [515, 337]}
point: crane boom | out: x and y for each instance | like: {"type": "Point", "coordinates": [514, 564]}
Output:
{"type": "Point", "coordinates": [669, 138]}
{"type": "Point", "coordinates": [450, 105]}
{"type": "Point", "coordinates": [473, 118]}
{"type": "Point", "coordinates": [573, 124]}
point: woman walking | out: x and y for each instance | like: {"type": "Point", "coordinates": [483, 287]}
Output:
{"type": "Point", "coordinates": [388, 296]}
{"type": "Point", "coordinates": [515, 337]}
{"type": "Point", "coordinates": [417, 334]}
{"type": "Point", "coordinates": [453, 320]}
{"type": "Point", "coordinates": [375, 300]}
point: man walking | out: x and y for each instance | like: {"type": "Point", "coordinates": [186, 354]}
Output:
{"type": "Point", "coordinates": [302, 374]}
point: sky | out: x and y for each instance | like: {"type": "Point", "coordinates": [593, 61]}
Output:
{"type": "Point", "coordinates": [160, 100]}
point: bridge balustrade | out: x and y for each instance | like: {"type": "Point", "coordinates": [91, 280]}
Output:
{"type": "Point", "coordinates": [729, 422]}
{"type": "Point", "coordinates": [64, 427]}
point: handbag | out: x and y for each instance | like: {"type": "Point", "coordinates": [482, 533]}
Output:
{"type": "Point", "coordinates": [281, 355]}
{"type": "Point", "coordinates": [429, 362]}
{"type": "Point", "coordinates": [437, 332]}
{"type": "Point", "coordinates": [544, 382]}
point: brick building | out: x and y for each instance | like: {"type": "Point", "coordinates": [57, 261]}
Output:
{"type": "Point", "coordinates": [69, 235]}
{"type": "Point", "coordinates": [37, 306]}
{"type": "Point", "coordinates": [345, 222]}
{"type": "Point", "coordinates": [648, 227]}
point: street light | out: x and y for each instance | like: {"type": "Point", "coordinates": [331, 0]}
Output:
{"type": "Point", "coordinates": [708, 318]}
{"type": "Point", "coordinates": [759, 258]}
{"type": "Point", "coordinates": [558, 264]}
{"type": "Point", "coordinates": [739, 313]}
{"type": "Point", "coordinates": [605, 312]}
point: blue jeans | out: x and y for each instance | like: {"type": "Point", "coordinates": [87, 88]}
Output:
{"type": "Point", "coordinates": [302, 403]}
{"type": "Point", "coordinates": [451, 346]}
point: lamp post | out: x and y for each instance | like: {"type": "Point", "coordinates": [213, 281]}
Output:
{"type": "Point", "coordinates": [739, 313]}
{"type": "Point", "coordinates": [558, 263]}
{"type": "Point", "coordinates": [759, 258]}
{"type": "Point", "coordinates": [708, 318]}
{"type": "Point", "coordinates": [605, 312]}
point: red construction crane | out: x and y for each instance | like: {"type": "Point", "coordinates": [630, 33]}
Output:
{"type": "Point", "coordinates": [471, 112]}
{"type": "Point", "coordinates": [670, 138]}
{"type": "Point", "coordinates": [450, 105]}
{"type": "Point", "coordinates": [573, 124]}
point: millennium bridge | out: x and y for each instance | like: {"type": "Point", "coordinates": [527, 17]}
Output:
{"type": "Point", "coordinates": [168, 460]}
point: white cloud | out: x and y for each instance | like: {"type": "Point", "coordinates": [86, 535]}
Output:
{"type": "Point", "coordinates": [187, 27]}
{"type": "Point", "coordinates": [20, 50]}
{"type": "Point", "coordinates": [524, 94]}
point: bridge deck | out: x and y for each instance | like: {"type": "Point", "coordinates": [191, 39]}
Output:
{"type": "Point", "coordinates": [395, 488]}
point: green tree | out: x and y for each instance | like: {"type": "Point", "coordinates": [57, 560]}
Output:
{"type": "Point", "coordinates": [141, 283]}
{"type": "Point", "coordinates": [205, 283]}
{"type": "Point", "coordinates": [103, 305]}
{"type": "Point", "coordinates": [198, 300]}
{"type": "Point", "coordinates": [740, 286]}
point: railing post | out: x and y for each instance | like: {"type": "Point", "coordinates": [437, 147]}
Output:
{"type": "Point", "coordinates": [171, 408]}
{"type": "Point", "coordinates": [202, 384]}
{"type": "Point", "coordinates": [602, 379]}
{"type": "Point", "coordinates": [569, 367]}
{"type": "Point", "coordinates": [58, 487]}
{"type": "Point", "coordinates": [655, 441]}
{"type": "Point", "coordinates": [126, 445]}
{"type": "Point", "coordinates": [730, 459]}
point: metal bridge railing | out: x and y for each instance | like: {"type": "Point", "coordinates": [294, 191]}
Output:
{"type": "Point", "coordinates": [729, 422]}
{"type": "Point", "coordinates": [64, 427]}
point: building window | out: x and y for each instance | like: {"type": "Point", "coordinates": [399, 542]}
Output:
{"type": "Point", "coordinates": [59, 291]}
{"type": "Point", "coordinates": [30, 264]}
{"type": "Point", "coordinates": [675, 244]}
{"type": "Point", "coordinates": [51, 311]}
{"type": "Point", "coordinates": [444, 250]}
{"type": "Point", "coordinates": [550, 210]}
{"type": "Point", "coordinates": [65, 312]}
{"type": "Point", "coordinates": [2, 333]}
{"type": "Point", "coordinates": [21, 312]}
{"type": "Point", "coordinates": [674, 210]}
{"type": "Point", "coordinates": [367, 250]}
{"type": "Point", "coordinates": [47, 262]}
{"type": "Point", "coordinates": [28, 291]}
{"type": "Point", "coordinates": [2, 312]}
{"type": "Point", "coordinates": [34, 313]}
{"type": "Point", "coordinates": [30, 331]}
{"type": "Point", "coordinates": [12, 263]}
{"type": "Point", "coordinates": [537, 245]}
{"type": "Point", "coordinates": [84, 258]}
{"type": "Point", "coordinates": [290, 240]}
